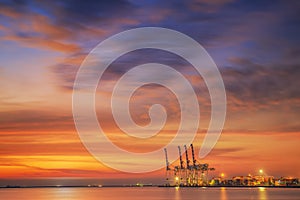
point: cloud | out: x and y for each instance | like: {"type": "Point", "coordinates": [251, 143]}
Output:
{"type": "Point", "coordinates": [251, 87]}
{"type": "Point", "coordinates": [30, 120]}
{"type": "Point", "coordinates": [261, 85]}
{"type": "Point", "coordinates": [207, 5]}
{"type": "Point", "coordinates": [224, 152]}
{"type": "Point", "coordinates": [9, 12]}
{"type": "Point", "coordinates": [52, 166]}
{"type": "Point", "coordinates": [63, 25]}
{"type": "Point", "coordinates": [66, 70]}
{"type": "Point", "coordinates": [30, 41]}
{"type": "Point", "coordinates": [37, 31]}
{"type": "Point", "coordinates": [88, 11]}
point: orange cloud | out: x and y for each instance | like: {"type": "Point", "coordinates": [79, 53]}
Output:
{"type": "Point", "coordinates": [45, 43]}
{"type": "Point", "coordinates": [38, 32]}
{"type": "Point", "coordinates": [41, 24]}
{"type": "Point", "coordinates": [9, 12]}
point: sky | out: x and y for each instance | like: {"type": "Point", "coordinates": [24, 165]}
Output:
{"type": "Point", "coordinates": [255, 44]}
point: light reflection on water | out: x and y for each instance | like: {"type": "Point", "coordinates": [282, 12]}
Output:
{"type": "Point", "coordinates": [223, 193]}
{"type": "Point", "coordinates": [148, 193]}
{"type": "Point", "coordinates": [262, 193]}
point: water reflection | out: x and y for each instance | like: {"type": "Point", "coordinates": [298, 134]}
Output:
{"type": "Point", "coordinates": [177, 193]}
{"type": "Point", "coordinates": [262, 195]}
{"type": "Point", "coordinates": [63, 193]}
{"type": "Point", "coordinates": [149, 193]}
{"type": "Point", "coordinates": [223, 193]}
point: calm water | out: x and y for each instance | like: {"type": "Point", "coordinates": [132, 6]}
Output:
{"type": "Point", "coordinates": [149, 193]}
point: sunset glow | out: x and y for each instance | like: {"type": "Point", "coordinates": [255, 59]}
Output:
{"type": "Point", "coordinates": [256, 49]}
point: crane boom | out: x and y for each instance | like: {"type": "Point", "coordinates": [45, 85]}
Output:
{"type": "Point", "coordinates": [167, 161]}
{"type": "Point", "coordinates": [193, 155]}
{"type": "Point", "coordinates": [187, 157]}
{"type": "Point", "coordinates": [180, 157]}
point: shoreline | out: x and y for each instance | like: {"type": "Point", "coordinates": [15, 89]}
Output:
{"type": "Point", "coordinates": [234, 186]}
{"type": "Point", "coordinates": [128, 186]}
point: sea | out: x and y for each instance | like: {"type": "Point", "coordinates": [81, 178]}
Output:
{"type": "Point", "coordinates": [147, 193]}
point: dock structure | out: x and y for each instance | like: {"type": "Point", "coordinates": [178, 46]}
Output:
{"type": "Point", "coordinates": [195, 174]}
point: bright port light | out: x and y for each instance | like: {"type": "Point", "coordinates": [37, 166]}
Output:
{"type": "Point", "coordinates": [176, 178]}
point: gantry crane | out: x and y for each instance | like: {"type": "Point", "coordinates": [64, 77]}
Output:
{"type": "Point", "coordinates": [180, 157]}
{"type": "Point", "coordinates": [195, 169]}
{"type": "Point", "coordinates": [188, 168]}
{"type": "Point", "coordinates": [181, 169]}
{"type": "Point", "coordinates": [168, 169]}
{"type": "Point", "coordinates": [194, 175]}
{"type": "Point", "coordinates": [187, 158]}
{"type": "Point", "coordinates": [167, 161]}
